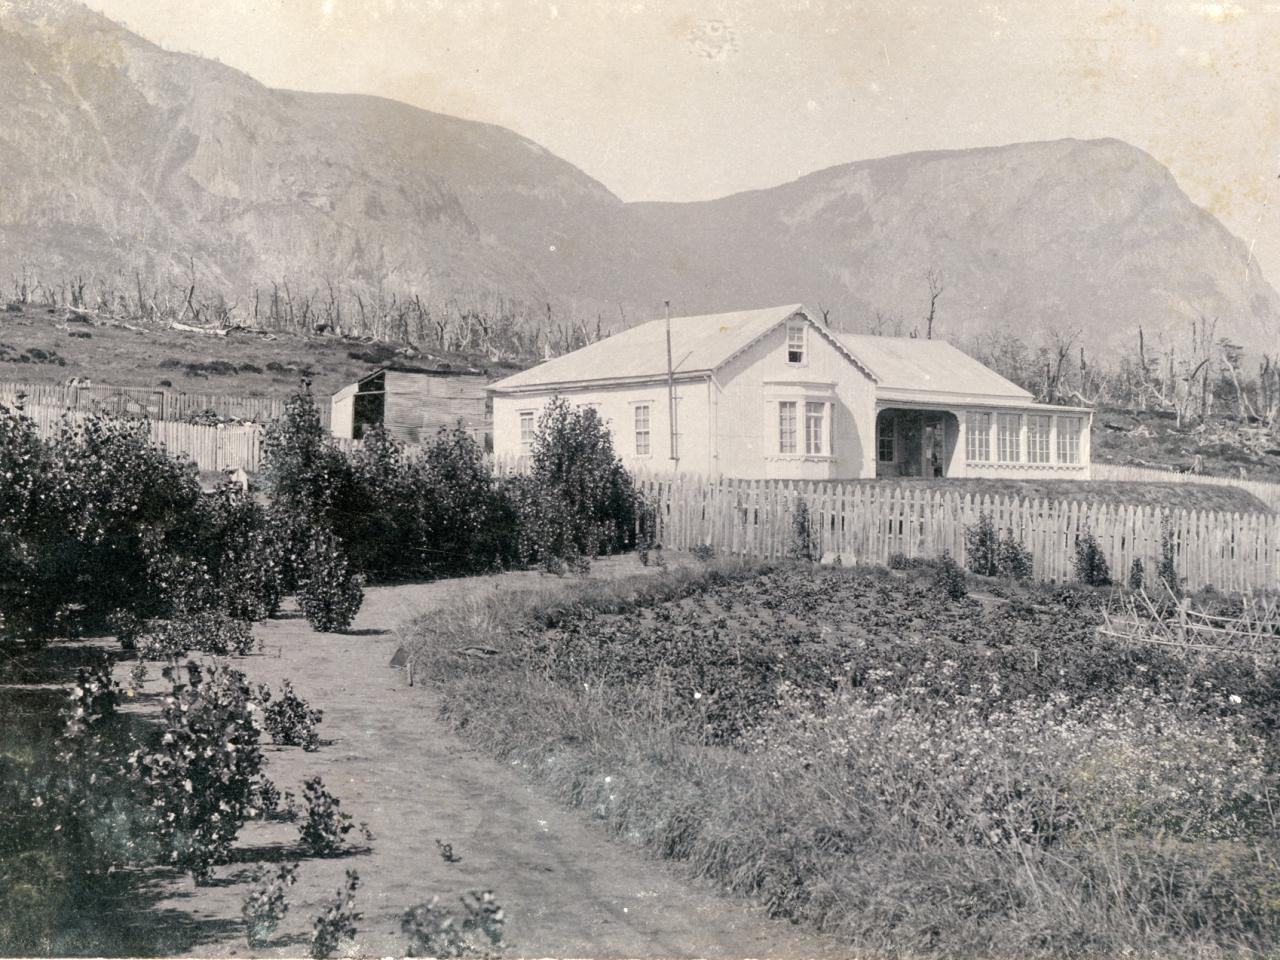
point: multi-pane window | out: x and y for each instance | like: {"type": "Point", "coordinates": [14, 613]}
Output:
{"type": "Point", "coordinates": [885, 451]}
{"type": "Point", "coordinates": [795, 343]}
{"type": "Point", "coordinates": [1008, 437]}
{"type": "Point", "coordinates": [1038, 438]}
{"type": "Point", "coordinates": [814, 427]}
{"type": "Point", "coordinates": [642, 430]}
{"type": "Point", "coordinates": [787, 426]}
{"type": "Point", "coordinates": [977, 437]}
{"type": "Point", "coordinates": [526, 430]}
{"type": "Point", "coordinates": [1069, 439]}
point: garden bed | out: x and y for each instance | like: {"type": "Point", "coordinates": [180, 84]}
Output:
{"type": "Point", "coordinates": [911, 773]}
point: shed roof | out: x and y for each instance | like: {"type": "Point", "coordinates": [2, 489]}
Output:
{"type": "Point", "coordinates": [699, 344]}
{"type": "Point", "coordinates": [909, 364]}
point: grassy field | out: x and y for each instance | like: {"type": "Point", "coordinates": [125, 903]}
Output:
{"type": "Point", "coordinates": [1186, 496]}
{"type": "Point", "coordinates": [914, 775]}
{"type": "Point", "coordinates": [37, 346]}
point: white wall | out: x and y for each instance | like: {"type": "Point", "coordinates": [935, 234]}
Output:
{"type": "Point", "coordinates": [746, 411]}
{"type": "Point", "coordinates": [616, 406]}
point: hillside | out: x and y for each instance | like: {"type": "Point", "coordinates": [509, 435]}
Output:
{"type": "Point", "coordinates": [121, 157]}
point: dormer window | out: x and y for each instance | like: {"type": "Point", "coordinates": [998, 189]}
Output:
{"type": "Point", "coordinates": [795, 343]}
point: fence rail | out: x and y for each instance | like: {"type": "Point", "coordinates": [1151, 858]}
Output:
{"type": "Point", "coordinates": [1268, 493]}
{"type": "Point", "coordinates": [868, 524]}
{"type": "Point", "coordinates": [211, 448]}
{"type": "Point", "coordinates": [145, 401]}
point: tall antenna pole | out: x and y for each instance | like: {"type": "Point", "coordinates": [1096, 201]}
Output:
{"type": "Point", "coordinates": [671, 388]}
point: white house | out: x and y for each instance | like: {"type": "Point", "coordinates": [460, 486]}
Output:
{"type": "Point", "coordinates": [772, 394]}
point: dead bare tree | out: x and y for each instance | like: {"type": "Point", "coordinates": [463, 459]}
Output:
{"type": "Point", "coordinates": [934, 278]}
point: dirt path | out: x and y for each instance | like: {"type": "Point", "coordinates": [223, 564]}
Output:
{"type": "Point", "coordinates": [568, 890]}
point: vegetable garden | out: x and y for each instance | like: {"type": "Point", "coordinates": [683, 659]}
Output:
{"type": "Point", "coordinates": [915, 771]}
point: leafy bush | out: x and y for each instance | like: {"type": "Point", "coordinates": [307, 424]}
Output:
{"type": "Point", "coordinates": [1167, 572]}
{"type": "Point", "coordinates": [949, 579]}
{"type": "Point", "coordinates": [1137, 575]}
{"type": "Point", "coordinates": [801, 544]}
{"type": "Point", "coordinates": [1090, 562]}
{"type": "Point", "coordinates": [288, 718]}
{"type": "Point", "coordinates": [578, 501]}
{"type": "Point", "coordinates": [434, 931]}
{"type": "Point", "coordinates": [993, 555]}
{"type": "Point", "coordinates": [201, 771]}
{"type": "Point", "coordinates": [209, 631]}
{"type": "Point", "coordinates": [338, 921]}
{"type": "Point", "coordinates": [329, 594]}
{"type": "Point", "coordinates": [266, 904]}
{"type": "Point", "coordinates": [324, 831]}
{"type": "Point", "coordinates": [306, 475]}
{"type": "Point", "coordinates": [703, 552]}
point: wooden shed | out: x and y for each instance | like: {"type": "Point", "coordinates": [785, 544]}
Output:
{"type": "Point", "coordinates": [412, 404]}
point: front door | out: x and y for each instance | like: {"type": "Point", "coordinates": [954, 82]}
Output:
{"type": "Point", "coordinates": [932, 450]}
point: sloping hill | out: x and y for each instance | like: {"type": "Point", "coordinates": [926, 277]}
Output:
{"type": "Point", "coordinates": [119, 156]}
{"type": "Point", "coordinates": [1068, 234]}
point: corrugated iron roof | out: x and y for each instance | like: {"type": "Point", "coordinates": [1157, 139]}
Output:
{"type": "Point", "coordinates": [932, 366]}
{"type": "Point", "coordinates": [698, 344]}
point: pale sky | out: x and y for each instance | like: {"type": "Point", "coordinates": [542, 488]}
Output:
{"type": "Point", "coordinates": [685, 100]}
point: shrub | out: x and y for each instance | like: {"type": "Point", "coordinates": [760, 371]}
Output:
{"type": "Point", "coordinates": [949, 579]}
{"type": "Point", "coordinates": [1137, 575]}
{"type": "Point", "coordinates": [993, 555]}
{"type": "Point", "coordinates": [982, 546]}
{"type": "Point", "coordinates": [434, 931]}
{"type": "Point", "coordinates": [288, 718]}
{"type": "Point", "coordinates": [304, 473]}
{"type": "Point", "coordinates": [465, 526]}
{"type": "Point", "coordinates": [266, 904]}
{"type": "Point", "coordinates": [201, 771]}
{"type": "Point", "coordinates": [324, 831]}
{"type": "Point", "coordinates": [703, 552]}
{"type": "Point", "coordinates": [338, 921]}
{"type": "Point", "coordinates": [208, 631]}
{"type": "Point", "coordinates": [1090, 562]}
{"type": "Point", "coordinates": [1168, 569]}
{"type": "Point", "coordinates": [329, 593]}
{"type": "Point", "coordinates": [578, 501]}
{"type": "Point", "coordinates": [801, 544]}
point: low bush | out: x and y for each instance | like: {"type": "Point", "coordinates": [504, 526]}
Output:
{"type": "Point", "coordinates": [991, 554]}
{"type": "Point", "coordinates": [338, 920]}
{"type": "Point", "coordinates": [209, 631]}
{"type": "Point", "coordinates": [1090, 562]}
{"type": "Point", "coordinates": [201, 770]}
{"type": "Point", "coordinates": [329, 592]}
{"type": "Point", "coordinates": [266, 904]}
{"type": "Point", "coordinates": [324, 831]}
{"type": "Point", "coordinates": [949, 579]}
{"type": "Point", "coordinates": [288, 718]}
{"type": "Point", "coordinates": [434, 931]}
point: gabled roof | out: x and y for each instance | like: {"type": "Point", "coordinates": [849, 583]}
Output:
{"type": "Point", "coordinates": [698, 345]}
{"type": "Point", "coordinates": [911, 366]}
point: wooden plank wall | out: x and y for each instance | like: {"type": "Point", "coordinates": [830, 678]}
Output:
{"type": "Point", "coordinates": [419, 404]}
{"type": "Point", "coordinates": [211, 448]}
{"type": "Point", "coordinates": [143, 401]}
{"type": "Point", "coordinates": [866, 524]}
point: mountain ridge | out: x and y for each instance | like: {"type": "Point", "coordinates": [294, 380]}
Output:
{"type": "Point", "coordinates": [125, 157]}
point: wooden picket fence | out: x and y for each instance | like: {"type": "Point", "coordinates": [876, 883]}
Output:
{"type": "Point", "coordinates": [225, 447]}
{"type": "Point", "coordinates": [145, 401]}
{"type": "Point", "coordinates": [1268, 493]}
{"type": "Point", "coordinates": [866, 524]}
